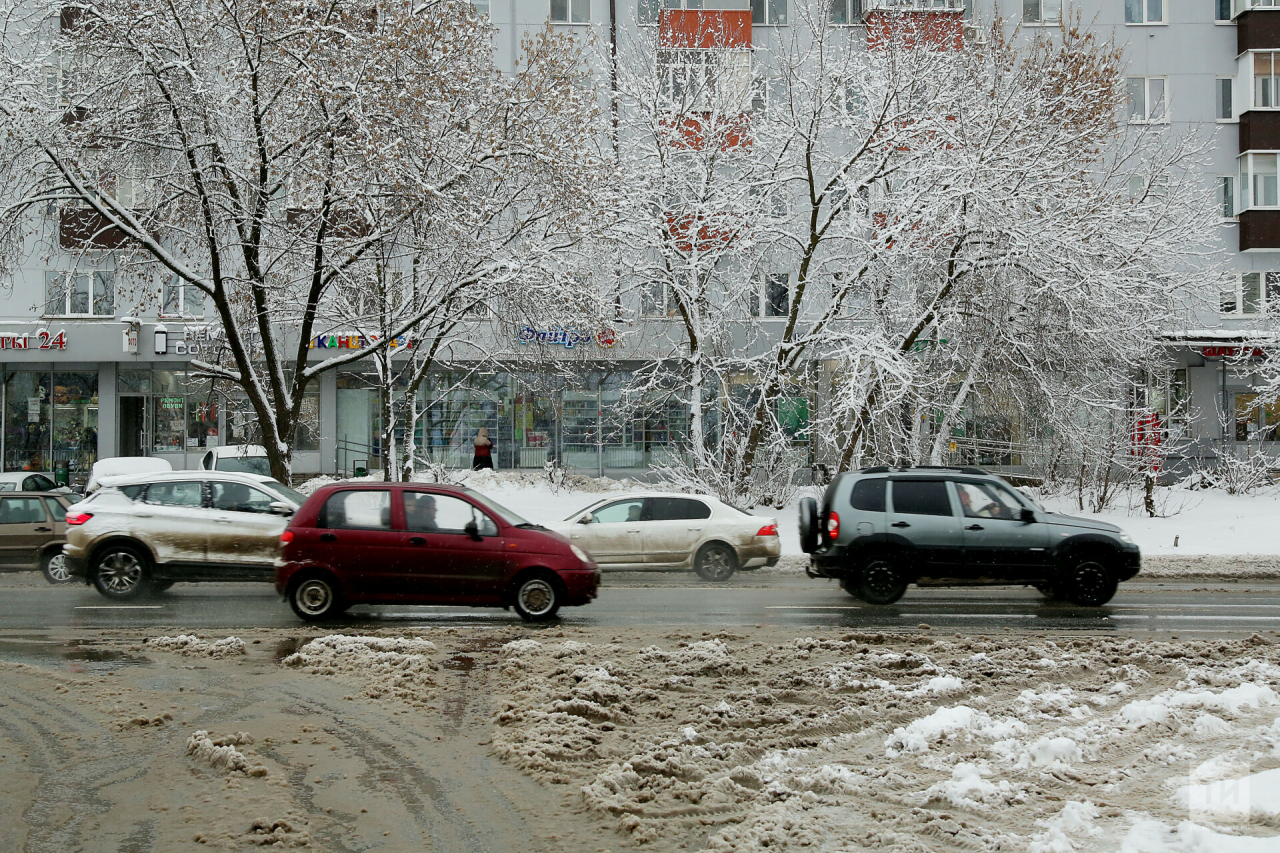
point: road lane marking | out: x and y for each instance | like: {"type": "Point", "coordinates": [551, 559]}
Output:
{"type": "Point", "coordinates": [119, 607]}
{"type": "Point", "coordinates": [812, 607]}
{"type": "Point", "coordinates": [1205, 618]}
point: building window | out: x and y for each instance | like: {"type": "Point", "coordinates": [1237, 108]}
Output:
{"type": "Point", "coordinates": [1224, 111]}
{"type": "Point", "coordinates": [1148, 99]}
{"type": "Point", "coordinates": [1250, 294]}
{"type": "Point", "coordinates": [1144, 11]}
{"type": "Point", "coordinates": [772, 295]}
{"type": "Point", "coordinates": [1041, 11]}
{"type": "Point", "coordinates": [1222, 10]}
{"type": "Point", "coordinates": [79, 294]}
{"type": "Point", "coordinates": [1243, 6]}
{"type": "Point", "coordinates": [570, 11]}
{"type": "Point", "coordinates": [846, 12]}
{"type": "Point", "coordinates": [656, 301]}
{"type": "Point", "coordinates": [1227, 196]}
{"type": "Point", "coordinates": [769, 12]}
{"type": "Point", "coordinates": [647, 11]}
{"type": "Point", "coordinates": [181, 300]}
{"type": "Point", "coordinates": [705, 80]}
{"type": "Point", "coordinates": [1266, 79]}
{"type": "Point", "coordinates": [1257, 181]}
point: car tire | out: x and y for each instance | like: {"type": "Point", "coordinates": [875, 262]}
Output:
{"type": "Point", "coordinates": [715, 562]}
{"type": "Point", "coordinates": [809, 525]}
{"type": "Point", "coordinates": [121, 572]}
{"type": "Point", "coordinates": [316, 598]}
{"type": "Point", "coordinates": [537, 597]}
{"type": "Point", "coordinates": [1089, 581]}
{"type": "Point", "coordinates": [881, 580]}
{"type": "Point", "coordinates": [53, 565]}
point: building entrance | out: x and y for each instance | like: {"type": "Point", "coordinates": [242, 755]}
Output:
{"type": "Point", "coordinates": [133, 426]}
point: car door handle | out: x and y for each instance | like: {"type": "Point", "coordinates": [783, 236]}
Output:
{"type": "Point", "coordinates": [328, 537]}
{"type": "Point", "coordinates": [417, 540]}
{"type": "Point", "coordinates": [975, 527]}
{"type": "Point", "coordinates": [900, 524]}
{"type": "Point", "coordinates": [43, 529]}
{"type": "Point", "coordinates": [223, 520]}
{"type": "Point", "coordinates": [633, 529]}
{"type": "Point", "coordinates": [142, 515]}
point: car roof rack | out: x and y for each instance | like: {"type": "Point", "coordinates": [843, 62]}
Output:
{"type": "Point", "coordinates": [885, 469]}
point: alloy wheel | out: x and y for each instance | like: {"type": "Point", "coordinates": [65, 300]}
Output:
{"type": "Point", "coordinates": [120, 572]}
{"type": "Point", "coordinates": [56, 569]}
{"type": "Point", "coordinates": [715, 564]}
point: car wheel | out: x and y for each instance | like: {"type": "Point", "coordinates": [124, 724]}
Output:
{"type": "Point", "coordinates": [54, 567]}
{"type": "Point", "coordinates": [121, 572]}
{"type": "Point", "coordinates": [537, 598]}
{"type": "Point", "coordinates": [715, 562]}
{"type": "Point", "coordinates": [315, 599]}
{"type": "Point", "coordinates": [809, 525]}
{"type": "Point", "coordinates": [881, 580]}
{"type": "Point", "coordinates": [1089, 582]}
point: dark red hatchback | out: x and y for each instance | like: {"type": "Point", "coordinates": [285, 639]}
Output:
{"type": "Point", "coordinates": [410, 543]}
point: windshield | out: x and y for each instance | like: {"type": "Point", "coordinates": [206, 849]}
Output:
{"type": "Point", "coordinates": [295, 498]}
{"type": "Point", "coordinates": [244, 465]}
{"type": "Point", "coordinates": [498, 509]}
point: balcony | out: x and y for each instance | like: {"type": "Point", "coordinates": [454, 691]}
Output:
{"type": "Point", "coordinates": [1260, 130]}
{"type": "Point", "coordinates": [1259, 230]}
{"type": "Point", "coordinates": [85, 228]}
{"type": "Point", "coordinates": [1258, 28]}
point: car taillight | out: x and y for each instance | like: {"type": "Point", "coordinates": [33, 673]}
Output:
{"type": "Point", "coordinates": [79, 517]}
{"type": "Point", "coordinates": [768, 530]}
{"type": "Point", "coordinates": [833, 525]}
{"type": "Point", "coordinates": [286, 537]}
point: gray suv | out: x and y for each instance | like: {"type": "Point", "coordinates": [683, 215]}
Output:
{"type": "Point", "coordinates": [882, 528]}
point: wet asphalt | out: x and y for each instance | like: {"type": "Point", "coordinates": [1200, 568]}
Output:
{"type": "Point", "coordinates": [1146, 608]}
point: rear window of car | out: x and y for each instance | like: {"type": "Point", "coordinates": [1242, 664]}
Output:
{"type": "Point", "coordinates": [366, 509]}
{"type": "Point", "coordinates": [921, 497]}
{"type": "Point", "coordinates": [38, 483]}
{"type": "Point", "coordinates": [21, 511]}
{"type": "Point", "coordinates": [678, 509]}
{"type": "Point", "coordinates": [244, 465]}
{"type": "Point", "coordinates": [133, 492]}
{"type": "Point", "coordinates": [868, 495]}
{"type": "Point", "coordinates": [185, 493]}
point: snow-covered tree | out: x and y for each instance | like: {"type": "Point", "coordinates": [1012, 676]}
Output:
{"type": "Point", "coordinates": [270, 156]}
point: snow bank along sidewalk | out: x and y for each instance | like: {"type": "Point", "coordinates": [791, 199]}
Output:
{"type": "Point", "coordinates": [848, 742]}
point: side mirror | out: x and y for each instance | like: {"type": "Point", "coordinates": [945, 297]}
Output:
{"type": "Point", "coordinates": [1028, 515]}
{"type": "Point", "coordinates": [280, 508]}
{"type": "Point", "coordinates": [587, 518]}
{"type": "Point", "coordinates": [473, 530]}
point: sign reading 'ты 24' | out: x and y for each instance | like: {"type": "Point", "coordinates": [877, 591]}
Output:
{"type": "Point", "coordinates": [568, 338]}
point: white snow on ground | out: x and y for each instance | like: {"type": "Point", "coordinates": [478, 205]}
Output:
{"type": "Point", "coordinates": [1207, 521]}
{"type": "Point", "coordinates": [221, 753]}
{"type": "Point", "coordinates": [394, 666]}
{"type": "Point", "coordinates": [191, 645]}
{"type": "Point", "coordinates": [750, 742]}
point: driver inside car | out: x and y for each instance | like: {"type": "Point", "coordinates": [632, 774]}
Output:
{"type": "Point", "coordinates": [420, 513]}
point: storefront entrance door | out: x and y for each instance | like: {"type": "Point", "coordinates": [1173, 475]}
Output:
{"type": "Point", "coordinates": [133, 426]}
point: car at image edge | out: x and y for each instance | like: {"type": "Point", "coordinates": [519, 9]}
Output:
{"type": "Point", "coordinates": [662, 531]}
{"type": "Point", "coordinates": [880, 529]}
{"type": "Point", "coordinates": [413, 543]}
{"type": "Point", "coordinates": [148, 531]}
{"type": "Point", "coordinates": [32, 532]}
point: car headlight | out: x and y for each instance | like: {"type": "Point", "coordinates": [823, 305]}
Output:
{"type": "Point", "coordinates": [1125, 537]}
{"type": "Point", "coordinates": [579, 553]}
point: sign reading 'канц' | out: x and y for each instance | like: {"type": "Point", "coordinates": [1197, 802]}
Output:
{"type": "Point", "coordinates": [568, 338]}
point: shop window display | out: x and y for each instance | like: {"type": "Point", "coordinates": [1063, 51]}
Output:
{"type": "Point", "coordinates": [169, 412]}
{"type": "Point", "coordinates": [26, 421]}
{"type": "Point", "coordinates": [75, 421]}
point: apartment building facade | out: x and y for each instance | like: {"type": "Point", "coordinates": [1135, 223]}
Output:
{"type": "Point", "coordinates": [86, 376]}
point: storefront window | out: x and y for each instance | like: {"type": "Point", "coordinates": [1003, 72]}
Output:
{"type": "Point", "coordinates": [169, 411]}
{"type": "Point", "coordinates": [202, 415]}
{"type": "Point", "coordinates": [26, 421]}
{"type": "Point", "coordinates": [134, 381]}
{"type": "Point", "coordinates": [359, 420]}
{"type": "Point", "coordinates": [75, 421]}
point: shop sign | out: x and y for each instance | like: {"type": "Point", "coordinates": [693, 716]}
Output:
{"type": "Point", "coordinates": [43, 339]}
{"type": "Point", "coordinates": [171, 404]}
{"type": "Point", "coordinates": [33, 409]}
{"type": "Point", "coordinates": [357, 342]}
{"type": "Point", "coordinates": [1233, 352]}
{"type": "Point", "coordinates": [568, 338]}
{"type": "Point", "coordinates": [196, 340]}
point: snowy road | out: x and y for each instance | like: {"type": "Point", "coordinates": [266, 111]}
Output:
{"type": "Point", "coordinates": [1194, 609]}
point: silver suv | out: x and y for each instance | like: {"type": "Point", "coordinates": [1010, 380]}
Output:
{"type": "Point", "coordinates": [148, 531]}
{"type": "Point", "coordinates": [882, 528]}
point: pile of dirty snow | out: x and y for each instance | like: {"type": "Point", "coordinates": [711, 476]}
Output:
{"type": "Point", "coordinates": [221, 753]}
{"type": "Point", "coordinates": [395, 666]}
{"type": "Point", "coordinates": [190, 644]}
{"type": "Point", "coordinates": [855, 741]}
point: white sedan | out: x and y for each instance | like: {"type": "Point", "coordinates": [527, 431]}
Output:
{"type": "Point", "coordinates": [665, 531]}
